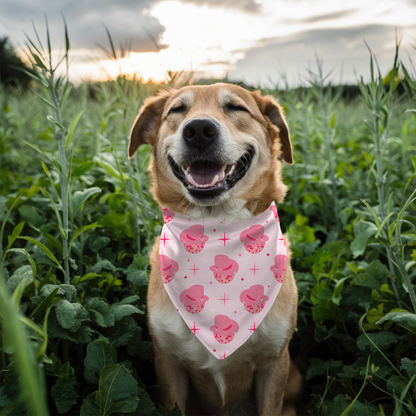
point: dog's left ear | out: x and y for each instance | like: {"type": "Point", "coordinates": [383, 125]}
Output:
{"type": "Point", "coordinates": [273, 112]}
{"type": "Point", "coordinates": [146, 126]}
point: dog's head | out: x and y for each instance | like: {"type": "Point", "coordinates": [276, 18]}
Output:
{"type": "Point", "coordinates": [215, 148]}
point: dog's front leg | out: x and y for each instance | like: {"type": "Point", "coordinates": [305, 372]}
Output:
{"type": "Point", "coordinates": [270, 381]}
{"type": "Point", "coordinates": [172, 379]}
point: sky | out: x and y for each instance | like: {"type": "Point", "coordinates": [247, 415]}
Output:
{"type": "Point", "coordinates": [264, 43]}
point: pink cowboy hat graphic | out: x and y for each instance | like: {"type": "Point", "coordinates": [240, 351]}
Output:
{"type": "Point", "coordinates": [224, 329]}
{"type": "Point", "coordinates": [254, 239]}
{"type": "Point", "coordinates": [194, 299]}
{"type": "Point", "coordinates": [224, 268]}
{"type": "Point", "coordinates": [168, 268]}
{"type": "Point", "coordinates": [254, 299]}
{"type": "Point", "coordinates": [193, 239]}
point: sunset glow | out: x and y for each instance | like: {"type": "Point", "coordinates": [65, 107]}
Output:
{"type": "Point", "coordinates": [245, 44]}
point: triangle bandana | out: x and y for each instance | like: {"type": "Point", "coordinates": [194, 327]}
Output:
{"type": "Point", "coordinates": [222, 279]}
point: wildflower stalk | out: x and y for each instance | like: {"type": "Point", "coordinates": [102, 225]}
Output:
{"type": "Point", "coordinates": [326, 119]}
{"type": "Point", "coordinates": [45, 76]}
{"type": "Point", "coordinates": [376, 98]}
{"type": "Point", "coordinates": [63, 180]}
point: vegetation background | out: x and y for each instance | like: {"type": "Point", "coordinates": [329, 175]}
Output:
{"type": "Point", "coordinates": [78, 221]}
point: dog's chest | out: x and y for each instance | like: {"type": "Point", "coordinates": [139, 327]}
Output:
{"type": "Point", "coordinates": [176, 339]}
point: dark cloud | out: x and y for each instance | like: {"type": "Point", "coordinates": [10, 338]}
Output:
{"type": "Point", "coordinates": [322, 17]}
{"type": "Point", "coordinates": [127, 21]}
{"type": "Point", "coordinates": [337, 47]}
{"type": "Point", "coordinates": [248, 6]}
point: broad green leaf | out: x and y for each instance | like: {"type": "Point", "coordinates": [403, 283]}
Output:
{"type": "Point", "coordinates": [89, 408]}
{"type": "Point", "coordinates": [81, 336]}
{"type": "Point", "coordinates": [62, 290]}
{"type": "Point", "coordinates": [66, 313]}
{"type": "Point", "coordinates": [23, 273]}
{"type": "Point", "coordinates": [138, 277]}
{"type": "Point", "coordinates": [409, 366]}
{"type": "Point", "coordinates": [102, 265]}
{"type": "Point", "coordinates": [117, 390]}
{"type": "Point", "coordinates": [78, 198]}
{"type": "Point", "coordinates": [31, 215]}
{"type": "Point", "coordinates": [374, 277]}
{"type": "Point", "coordinates": [318, 367]}
{"type": "Point", "coordinates": [384, 340]}
{"type": "Point", "coordinates": [396, 384]}
{"type": "Point", "coordinates": [399, 316]}
{"type": "Point", "coordinates": [340, 404]}
{"type": "Point", "coordinates": [100, 354]}
{"type": "Point", "coordinates": [146, 406]}
{"type": "Point", "coordinates": [363, 230]}
{"type": "Point", "coordinates": [121, 311]}
{"type": "Point", "coordinates": [31, 261]}
{"type": "Point", "coordinates": [100, 313]}
{"type": "Point", "coordinates": [124, 332]}
{"type": "Point", "coordinates": [65, 395]}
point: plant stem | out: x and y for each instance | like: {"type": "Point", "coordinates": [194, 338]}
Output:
{"type": "Point", "coordinates": [135, 211]}
{"type": "Point", "coordinates": [380, 194]}
{"type": "Point", "coordinates": [63, 175]}
{"type": "Point", "coordinates": [330, 153]}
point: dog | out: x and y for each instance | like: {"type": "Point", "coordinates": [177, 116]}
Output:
{"type": "Point", "coordinates": [216, 155]}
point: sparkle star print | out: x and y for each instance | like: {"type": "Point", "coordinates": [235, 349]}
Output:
{"type": "Point", "coordinates": [223, 279]}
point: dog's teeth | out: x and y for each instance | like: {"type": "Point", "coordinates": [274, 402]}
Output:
{"type": "Point", "coordinates": [221, 177]}
{"type": "Point", "coordinates": [214, 181]}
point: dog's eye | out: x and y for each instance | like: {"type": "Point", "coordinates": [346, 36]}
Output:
{"type": "Point", "coordinates": [179, 109]}
{"type": "Point", "coordinates": [232, 107]}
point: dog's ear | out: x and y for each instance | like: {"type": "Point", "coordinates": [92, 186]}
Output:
{"type": "Point", "coordinates": [146, 126]}
{"type": "Point", "coordinates": [273, 112]}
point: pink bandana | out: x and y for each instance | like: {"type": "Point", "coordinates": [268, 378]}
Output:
{"type": "Point", "coordinates": [223, 279]}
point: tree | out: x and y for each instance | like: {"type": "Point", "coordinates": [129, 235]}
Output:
{"type": "Point", "coordinates": [10, 62]}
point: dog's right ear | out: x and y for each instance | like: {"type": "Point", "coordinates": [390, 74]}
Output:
{"type": "Point", "coordinates": [146, 126]}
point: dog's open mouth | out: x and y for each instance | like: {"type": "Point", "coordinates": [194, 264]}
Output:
{"type": "Point", "coordinates": [206, 180]}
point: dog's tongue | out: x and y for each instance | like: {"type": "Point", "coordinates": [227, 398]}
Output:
{"type": "Point", "coordinates": [204, 174]}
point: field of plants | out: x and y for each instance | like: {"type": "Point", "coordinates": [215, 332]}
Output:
{"type": "Point", "coordinates": [77, 223]}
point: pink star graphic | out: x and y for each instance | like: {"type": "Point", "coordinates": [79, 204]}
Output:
{"type": "Point", "coordinates": [194, 329]}
{"type": "Point", "coordinates": [223, 357]}
{"type": "Point", "coordinates": [254, 327]}
{"type": "Point", "coordinates": [194, 269]}
{"type": "Point", "coordinates": [254, 269]}
{"type": "Point", "coordinates": [224, 299]}
{"type": "Point", "coordinates": [224, 239]}
{"type": "Point", "coordinates": [164, 239]}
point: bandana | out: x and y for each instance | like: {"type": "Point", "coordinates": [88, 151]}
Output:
{"type": "Point", "coordinates": [222, 279]}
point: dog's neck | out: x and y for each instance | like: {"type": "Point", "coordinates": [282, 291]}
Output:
{"type": "Point", "coordinates": [227, 211]}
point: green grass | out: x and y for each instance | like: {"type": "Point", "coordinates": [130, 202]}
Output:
{"type": "Point", "coordinates": [75, 247]}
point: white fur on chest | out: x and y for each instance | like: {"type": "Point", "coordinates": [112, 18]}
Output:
{"type": "Point", "coordinates": [175, 338]}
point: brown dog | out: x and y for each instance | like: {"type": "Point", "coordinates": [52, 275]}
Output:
{"type": "Point", "coordinates": [239, 135]}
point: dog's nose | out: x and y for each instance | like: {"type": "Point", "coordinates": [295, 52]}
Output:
{"type": "Point", "coordinates": [199, 133]}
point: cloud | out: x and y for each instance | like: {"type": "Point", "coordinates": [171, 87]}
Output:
{"type": "Point", "coordinates": [247, 6]}
{"type": "Point", "coordinates": [337, 47]}
{"type": "Point", "coordinates": [126, 20]}
{"type": "Point", "coordinates": [322, 17]}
